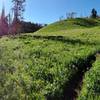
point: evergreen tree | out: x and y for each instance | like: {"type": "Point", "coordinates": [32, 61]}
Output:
{"type": "Point", "coordinates": [18, 9]}
{"type": "Point", "coordinates": [3, 23]}
{"type": "Point", "coordinates": [94, 13]}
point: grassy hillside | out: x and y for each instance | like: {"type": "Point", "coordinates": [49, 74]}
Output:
{"type": "Point", "coordinates": [41, 65]}
{"type": "Point", "coordinates": [69, 24]}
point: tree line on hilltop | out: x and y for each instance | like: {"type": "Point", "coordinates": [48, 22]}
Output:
{"type": "Point", "coordinates": [71, 15]}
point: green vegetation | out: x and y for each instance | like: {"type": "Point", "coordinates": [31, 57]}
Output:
{"type": "Point", "coordinates": [91, 86]}
{"type": "Point", "coordinates": [38, 66]}
{"type": "Point", "coordinates": [70, 24]}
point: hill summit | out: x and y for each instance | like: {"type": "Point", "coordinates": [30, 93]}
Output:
{"type": "Point", "coordinates": [67, 24]}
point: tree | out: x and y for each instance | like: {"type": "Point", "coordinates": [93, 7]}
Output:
{"type": "Point", "coordinates": [71, 15]}
{"type": "Point", "coordinates": [94, 13]}
{"type": "Point", "coordinates": [3, 23]}
{"type": "Point", "coordinates": [18, 9]}
{"type": "Point", "coordinates": [28, 27]}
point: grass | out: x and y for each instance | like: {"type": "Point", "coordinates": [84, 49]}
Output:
{"type": "Point", "coordinates": [38, 66]}
{"type": "Point", "coordinates": [71, 24]}
{"type": "Point", "coordinates": [91, 86]}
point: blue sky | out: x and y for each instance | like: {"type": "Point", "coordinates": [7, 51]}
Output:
{"type": "Point", "coordinates": [48, 11]}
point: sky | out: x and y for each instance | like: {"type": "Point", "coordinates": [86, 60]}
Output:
{"type": "Point", "coordinates": [49, 11]}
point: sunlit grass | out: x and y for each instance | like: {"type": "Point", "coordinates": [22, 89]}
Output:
{"type": "Point", "coordinates": [33, 67]}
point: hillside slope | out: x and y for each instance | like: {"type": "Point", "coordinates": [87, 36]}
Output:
{"type": "Point", "coordinates": [49, 64]}
{"type": "Point", "coordinates": [69, 24]}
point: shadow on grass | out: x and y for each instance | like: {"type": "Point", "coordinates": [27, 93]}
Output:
{"type": "Point", "coordinates": [72, 88]}
{"type": "Point", "coordinates": [61, 39]}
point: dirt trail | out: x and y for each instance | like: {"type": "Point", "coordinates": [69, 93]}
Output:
{"type": "Point", "coordinates": [73, 88]}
